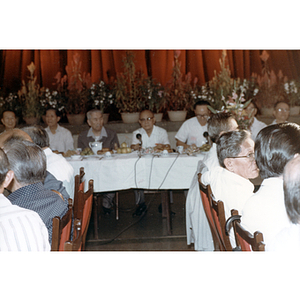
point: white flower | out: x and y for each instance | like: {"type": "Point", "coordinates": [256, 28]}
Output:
{"type": "Point", "coordinates": [255, 91]}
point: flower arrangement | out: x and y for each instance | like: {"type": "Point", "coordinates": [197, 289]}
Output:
{"type": "Point", "coordinates": [29, 95]}
{"type": "Point", "coordinates": [51, 99]}
{"type": "Point", "coordinates": [11, 103]}
{"type": "Point", "coordinates": [178, 92]}
{"type": "Point", "coordinates": [292, 90]}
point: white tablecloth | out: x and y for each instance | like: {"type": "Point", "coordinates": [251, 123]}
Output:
{"type": "Point", "coordinates": [125, 171]}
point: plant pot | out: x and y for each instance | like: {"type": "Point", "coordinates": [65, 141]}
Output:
{"type": "Point", "coordinates": [177, 116]}
{"type": "Point", "coordinates": [130, 117]}
{"type": "Point", "coordinates": [76, 119]}
{"type": "Point", "coordinates": [267, 111]}
{"type": "Point", "coordinates": [294, 110]}
{"type": "Point", "coordinates": [105, 118]}
{"type": "Point", "coordinates": [31, 120]}
{"type": "Point", "coordinates": [158, 117]}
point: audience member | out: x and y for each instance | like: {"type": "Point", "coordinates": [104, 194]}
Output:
{"type": "Point", "coordinates": [255, 125]}
{"type": "Point", "coordinates": [61, 139]}
{"type": "Point", "coordinates": [108, 138]}
{"type": "Point", "coordinates": [151, 136]}
{"type": "Point", "coordinates": [230, 181]}
{"type": "Point", "coordinates": [289, 238]}
{"type": "Point", "coordinates": [51, 183]}
{"type": "Point", "coordinates": [281, 112]}
{"type": "Point", "coordinates": [97, 132]}
{"type": "Point", "coordinates": [192, 130]}
{"type": "Point", "coordinates": [20, 229]}
{"type": "Point", "coordinates": [28, 162]}
{"type": "Point", "coordinates": [57, 165]}
{"type": "Point", "coordinates": [9, 120]}
{"type": "Point", "coordinates": [275, 145]}
{"type": "Point", "coordinates": [197, 227]}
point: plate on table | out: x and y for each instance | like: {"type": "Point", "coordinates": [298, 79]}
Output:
{"type": "Point", "coordinates": [75, 157]}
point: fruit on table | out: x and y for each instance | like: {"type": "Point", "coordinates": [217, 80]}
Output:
{"type": "Point", "coordinates": [124, 149]}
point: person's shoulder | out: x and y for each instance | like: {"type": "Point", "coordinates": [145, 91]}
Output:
{"type": "Point", "coordinates": [160, 129]}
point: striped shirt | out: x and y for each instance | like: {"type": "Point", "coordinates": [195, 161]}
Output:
{"type": "Point", "coordinates": [21, 229]}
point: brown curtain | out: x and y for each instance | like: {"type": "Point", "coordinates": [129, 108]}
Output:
{"type": "Point", "coordinates": [106, 64]}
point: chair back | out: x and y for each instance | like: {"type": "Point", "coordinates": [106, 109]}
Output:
{"type": "Point", "coordinates": [218, 214]}
{"type": "Point", "coordinates": [245, 241]}
{"type": "Point", "coordinates": [61, 229]}
{"type": "Point", "coordinates": [217, 238]}
{"type": "Point", "coordinates": [76, 244]}
{"type": "Point", "coordinates": [83, 210]}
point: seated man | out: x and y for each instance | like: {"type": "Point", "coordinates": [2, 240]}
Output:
{"type": "Point", "coordinates": [192, 130]}
{"type": "Point", "coordinates": [151, 136]}
{"type": "Point", "coordinates": [230, 181]}
{"type": "Point", "coordinates": [57, 165]}
{"type": "Point", "coordinates": [28, 162]}
{"type": "Point", "coordinates": [109, 139]}
{"type": "Point", "coordinates": [275, 145]}
{"type": "Point", "coordinates": [281, 112]}
{"type": "Point", "coordinates": [255, 125]}
{"type": "Point", "coordinates": [9, 120]}
{"type": "Point", "coordinates": [197, 227]}
{"type": "Point", "coordinates": [61, 139]}
{"type": "Point", "coordinates": [21, 229]}
{"type": "Point", "coordinates": [97, 132]}
{"type": "Point", "coordinates": [289, 238]}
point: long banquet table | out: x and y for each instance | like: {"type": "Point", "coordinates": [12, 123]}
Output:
{"type": "Point", "coordinates": [125, 171]}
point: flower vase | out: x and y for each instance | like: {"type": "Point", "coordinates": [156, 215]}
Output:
{"type": "Point", "coordinates": [105, 118]}
{"type": "Point", "coordinates": [76, 119]}
{"type": "Point", "coordinates": [130, 117]}
{"type": "Point", "coordinates": [158, 117]}
{"type": "Point", "coordinates": [177, 116]}
{"type": "Point", "coordinates": [31, 120]}
{"type": "Point", "coordinates": [294, 110]}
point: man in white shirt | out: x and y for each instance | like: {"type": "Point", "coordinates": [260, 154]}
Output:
{"type": "Point", "coordinates": [192, 130]}
{"type": "Point", "coordinates": [288, 240]}
{"type": "Point", "coordinates": [147, 136]}
{"type": "Point", "coordinates": [20, 229]}
{"type": "Point", "coordinates": [265, 211]}
{"type": "Point", "coordinates": [281, 112]}
{"type": "Point", "coordinates": [57, 165]}
{"type": "Point", "coordinates": [230, 181]}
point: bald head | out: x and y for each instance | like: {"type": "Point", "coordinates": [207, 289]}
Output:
{"type": "Point", "coordinates": [14, 134]}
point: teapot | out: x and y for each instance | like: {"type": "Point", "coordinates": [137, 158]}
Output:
{"type": "Point", "coordinates": [95, 146]}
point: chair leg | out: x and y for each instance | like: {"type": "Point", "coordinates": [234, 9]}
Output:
{"type": "Point", "coordinates": [117, 206]}
{"type": "Point", "coordinates": [95, 214]}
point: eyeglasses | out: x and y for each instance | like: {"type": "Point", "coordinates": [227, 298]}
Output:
{"type": "Point", "coordinates": [283, 110]}
{"type": "Point", "coordinates": [202, 116]}
{"type": "Point", "coordinates": [147, 119]}
{"type": "Point", "coordinates": [250, 156]}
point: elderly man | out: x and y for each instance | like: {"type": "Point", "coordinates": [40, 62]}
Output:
{"type": "Point", "coordinates": [28, 162]}
{"type": "Point", "coordinates": [9, 120]}
{"type": "Point", "coordinates": [230, 181]}
{"type": "Point", "coordinates": [21, 229]}
{"type": "Point", "coordinates": [57, 165]}
{"type": "Point", "coordinates": [150, 136]}
{"type": "Point", "coordinates": [197, 227]}
{"type": "Point", "coordinates": [97, 132]}
{"type": "Point", "coordinates": [281, 112]}
{"type": "Point", "coordinates": [109, 139]}
{"type": "Point", "coordinates": [275, 145]}
{"type": "Point", "coordinates": [192, 130]}
{"type": "Point", "coordinates": [288, 239]}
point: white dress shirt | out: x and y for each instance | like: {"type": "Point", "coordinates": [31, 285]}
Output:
{"type": "Point", "coordinates": [158, 136]}
{"type": "Point", "coordinates": [191, 132]}
{"type": "Point", "coordinates": [62, 140]}
{"type": "Point", "coordinates": [61, 169]}
{"type": "Point", "coordinates": [256, 127]}
{"type": "Point", "coordinates": [21, 229]}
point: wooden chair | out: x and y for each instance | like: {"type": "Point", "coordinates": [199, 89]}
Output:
{"type": "Point", "coordinates": [79, 182]}
{"type": "Point", "coordinates": [76, 244]}
{"type": "Point", "coordinates": [61, 229]}
{"type": "Point", "coordinates": [245, 241]}
{"type": "Point", "coordinates": [83, 210]}
{"type": "Point", "coordinates": [218, 214]}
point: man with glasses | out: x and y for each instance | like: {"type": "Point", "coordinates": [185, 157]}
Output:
{"type": "Point", "coordinates": [147, 136]}
{"type": "Point", "coordinates": [281, 112]}
{"type": "Point", "coordinates": [230, 181]}
{"type": "Point", "coordinates": [192, 130]}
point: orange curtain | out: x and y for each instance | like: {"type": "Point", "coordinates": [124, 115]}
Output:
{"type": "Point", "coordinates": [106, 64]}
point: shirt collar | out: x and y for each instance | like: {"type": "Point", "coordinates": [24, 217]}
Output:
{"type": "Point", "coordinates": [102, 134]}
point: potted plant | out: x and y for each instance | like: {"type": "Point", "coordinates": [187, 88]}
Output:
{"type": "Point", "coordinates": [128, 92]}
{"type": "Point", "coordinates": [292, 90]}
{"type": "Point", "coordinates": [29, 96]}
{"type": "Point", "coordinates": [178, 99]}
{"type": "Point", "coordinates": [11, 103]}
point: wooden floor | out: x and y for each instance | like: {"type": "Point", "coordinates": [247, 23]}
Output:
{"type": "Point", "coordinates": [147, 233]}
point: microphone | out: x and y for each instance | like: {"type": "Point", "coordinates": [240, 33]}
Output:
{"type": "Point", "coordinates": [205, 134]}
{"type": "Point", "coordinates": [139, 137]}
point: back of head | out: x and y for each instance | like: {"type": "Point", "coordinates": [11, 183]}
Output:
{"type": "Point", "coordinates": [229, 144]}
{"type": "Point", "coordinates": [13, 135]}
{"type": "Point", "coordinates": [217, 123]}
{"type": "Point", "coordinates": [27, 160]}
{"type": "Point", "coordinates": [38, 135]}
{"type": "Point", "coordinates": [291, 187]}
{"type": "Point", "coordinates": [4, 166]}
{"type": "Point", "coordinates": [275, 145]}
